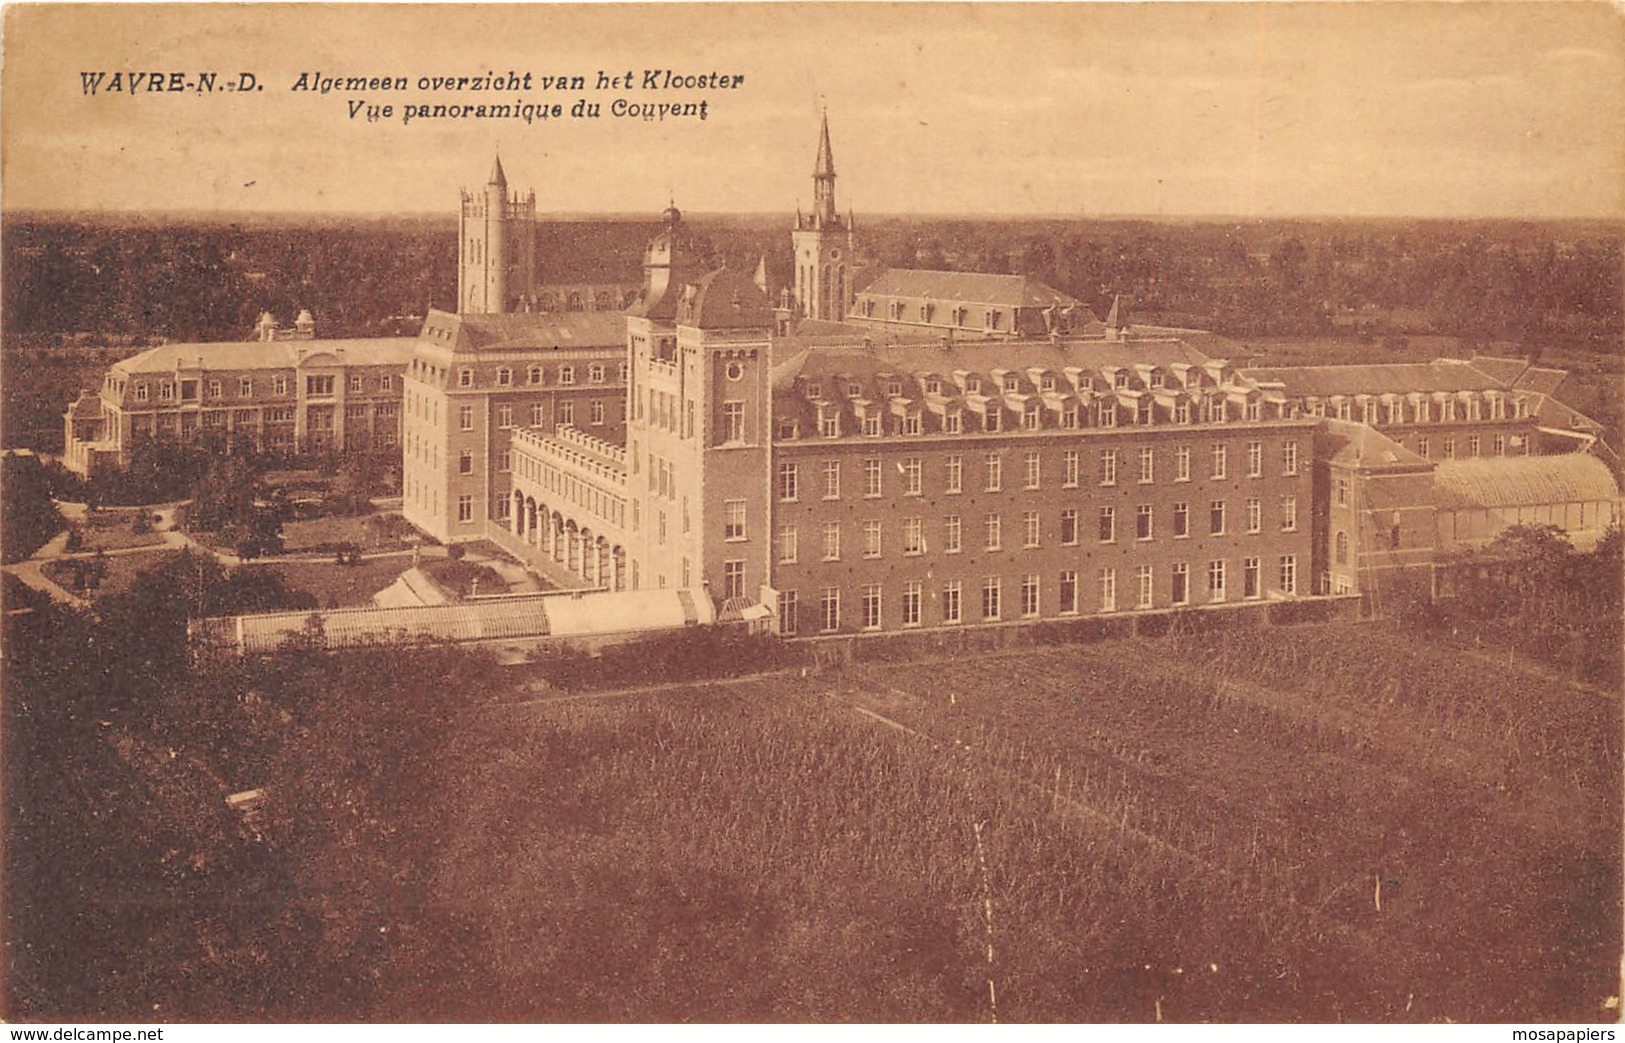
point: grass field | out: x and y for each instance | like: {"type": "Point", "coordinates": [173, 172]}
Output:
{"type": "Point", "coordinates": [1322, 824]}
{"type": "Point", "coordinates": [347, 586]}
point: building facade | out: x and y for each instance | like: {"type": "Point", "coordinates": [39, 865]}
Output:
{"type": "Point", "coordinates": [287, 392]}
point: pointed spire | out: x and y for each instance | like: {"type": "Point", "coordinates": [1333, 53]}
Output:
{"type": "Point", "coordinates": [761, 274]}
{"type": "Point", "coordinates": [497, 176]}
{"type": "Point", "coordinates": [825, 166]}
{"type": "Point", "coordinates": [1119, 312]}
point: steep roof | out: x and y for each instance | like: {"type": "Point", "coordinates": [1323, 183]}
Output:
{"type": "Point", "coordinates": [1537, 378]}
{"type": "Point", "coordinates": [1009, 291]}
{"type": "Point", "coordinates": [279, 354]}
{"type": "Point", "coordinates": [1511, 481]}
{"type": "Point", "coordinates": [1361, 444]}
{"type": "Point", "coordinates": [497, 176]}
{"type": "Point", "coordinates": [725, 299]}
{"type": "Point", "coordinates": [825, 164]}
{"type": "Point", "coordinates": [524, 331]}
{"type": "Point", "coordinates": [1380, 378]}
{"type": "Point", "coordinates": [1506, 370]}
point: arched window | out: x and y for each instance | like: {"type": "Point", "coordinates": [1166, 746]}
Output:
{"type": "Point", "coordinates": [1342, 543]}
{"type": "Point", "coordinates": [575, 302]}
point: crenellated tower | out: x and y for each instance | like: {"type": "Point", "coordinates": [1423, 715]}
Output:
{"type": "Point", "coordinates": [823, 244]}
{"type": "Point", "coordinates": [496, 253]}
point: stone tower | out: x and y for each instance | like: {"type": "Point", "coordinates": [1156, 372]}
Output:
{"type": "Point", "coordinates": [496, 252]}
{"type": "Point", "coordinates": [823, 245]}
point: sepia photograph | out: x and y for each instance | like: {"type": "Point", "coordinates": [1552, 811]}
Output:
{"type": "Point", "coordinates": [812, 513]}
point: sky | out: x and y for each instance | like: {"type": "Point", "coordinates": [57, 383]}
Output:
{"type": "Point", "coordinates": [1240, 109]}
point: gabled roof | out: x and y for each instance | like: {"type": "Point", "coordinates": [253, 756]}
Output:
{"type": "Point", "coordinates": [1521, 480]}
{"type": "Point", "coordinates": [1009, 291]}
{"type": "Point", "coordinates": [1395, 377]}
{"type": "Point", "coordinates": [522, 331]}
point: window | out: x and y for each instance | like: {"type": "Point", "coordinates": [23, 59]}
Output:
{"type": "Point", "coordinates": [1030, 529]}
{"type": "Point", "coordinates": [1289, 457]}
{"type": "Point", "coordinates": [787, 544]}
{"type": "Point", "coordinates": [504, 461]}
{"type": "Point", "coordinates": [733, 421]}
{"type": "Point", "coordinates": [465, 462]}
{"type": "Point", "coordinates": [567, 374]}
{"type": "Point", "coordinates": [911, 423]}
{"type": "Point", "coordinates": [465, 418]}
{"type": "Point", "coordinates": [830, 609]}
{"type": "Point", "coordinates": [465, 508]}
{"type": "Point", "coordinates": [166, 391]}
{"type": "Point", "coordinates": [832, 480]}
{"type": "Point", "coordinates": [1142, 522]}
{"type": "Point", "coordinates": [871, 424]}
{"type": "Point", "coordinates": [1255, 514]}
{"type": "Point", "coordinates": [1289, 573]}
{"type": "Point", "coordinates": [1215, 581]}
{"type": "Point", "coordinates": [465, 378]}
{"type": "Point", "coordinates": [595, 372]}
{"type": "Point", "coordinates": [951, 611]}
{"type": "Point", "coordinates": [991, 528]}
{"type": "Point", "coordinates": [1342, 492]}
{"type": "Point", "coordinates": [871, 606]}
{"type": "Point", "coordinates": [871, 477]}
{"type": "Point", "coordinates": [1180, 589]}
{"type": "Point", "coordinates": [1220, 457]}
{"type": "Point", "coordinates": [1342, 548]}
{"type": "Point", "coordinates": [538, 414]}
{"type": "Point", "coordinates": [596, 413]}
{"type": "Point", "coordinates": [832, 541]}
{"type": "Point", "coordinates": [871, 539]}
{"type": "Point", "coordinates": [1069, 592]}
{"type": "Point", "coordinates": [215, 390]}
{"type": "Point", "coordinates": [1029, 596]}
{"type": "Point", "coordinates": [995, 473]}
{"type": "Point", "coordinates": [953, 422]}
{"type": "Point", "coordinates": [1215, 518]}
{"type": "Point", "coordinates": [1069, 464]}
{"type": "Point", "coordinates": [951, 534]}
{"type": "Point", "coordinates": [1289, 514]}
{"type": "Point", "coordinates": [1069, 526]}
{"type": "Point", "coordinates": [1182, 463]}
{"type": "Point", "coordinates": [733, 525]}
{"type": "Point", "coordinates": [1108, 524]}
{"type": "Point", "coordinates": [733, 579]}
{"type": "Point", "coordinates": [1498, 443]}
{"type": "Point", "coordinates": [1472, 445]}
{"type": "Point", "coordinates": [990, 598]}
{"type": "Point", "coordinates": [789, 478]}
{"type": "Point", "coordinates": [953, 480]}
{"type": "Point", "coordinates": [1255, 459]}
{"type": "Point", "coordinates": [1144, 581]}
{"type": "Point", "coordinates": [505, 416]}
{"type": "Point", "coordinates": [1182, 520]}
{"type": "Point", "coordinates": [911, 475]}
{"type": "Point", "coordinates": [1069, 416]}
{"type": "Point", "coordinates": [141, 391]}
{"type": "Point", "coordinates": [1148, 460]}
{"type": "Point", "coordinates": [1108, 590]}
{"type": "Point", "coordinates": [1449, 448]}
{"type": "Point", "coordinates": [279, 385]}
{"type": "Point", "coordinates": [1108, 467]}
{"type": "Point", "coordinates": [787, 613]}
{"type": "Point", "coordinates": [245, 387]}
{"type": "Point", "coordinates": [1032, 470]}
{"type": "Point", "coordinates": [534, 375]}
{"type": "Point", "coordinates": [911, 603]}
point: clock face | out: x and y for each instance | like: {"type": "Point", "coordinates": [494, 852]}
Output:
{"type": "Point", "coordinates": [835, 255]}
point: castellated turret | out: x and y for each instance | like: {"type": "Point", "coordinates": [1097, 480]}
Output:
{"type": "Point", "coordinates": [496, 251]}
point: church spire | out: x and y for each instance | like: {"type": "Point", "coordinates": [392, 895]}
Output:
{"type": "Point", "coordinates": [497, 176]}
{"type": "Point", "coordinates": [824, 213]}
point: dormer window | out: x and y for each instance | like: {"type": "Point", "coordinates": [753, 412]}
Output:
{"type": "Point", "coordinates": [973, 386]}
{"type": "Point", "coordinates": [829, 425]}
{"type": "Point", "coordinates": [535, 375]}
{"type": "Point", "coordinates": [1120, 379]}
{"type": "Point", "coordinates": [815, 389]}
{"type": "Point", "coordinates": [854, 390]}
{"type": "Point", "coordinates": [785, 429]}
{"type": "Point", "coordinates": [871, 424]}
{"type": "Point", "coordinates": [953, 422]}
{"type": "Point", "coordinates": [933, 386]}
{"type": "Point", "coordinates": [465, 378]}
{"type": "Point", "coordinates": [1157, 380]}
{"type": "Point", "coordinates": [1046, 382]}
{"type": "Point", "coordinates": [166, 391]}
{"type": "Point", "coordinates": [894, 388]}
{"type": "Point", "coordinates": [504, 377]}
{"type": "Point", "coordinates": [1012, 383]}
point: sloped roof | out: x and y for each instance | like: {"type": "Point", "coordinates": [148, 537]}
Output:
{"type": "Point", "coordinates": [1361, 444]}
{"type": "Point", "coordinates": [524, 331]}
{"type": "Point", "coordinates": [1537, 378]}
{"type": "Point", "coordinates": [1506, 370]}
{"type": "Point", "coordinates": [1010, 291]}
{"type": "Point", "coordinates": [1380, 378]}
{"type": "Point", "coordinates": [724, 299]}
{"type": "Point", "coordinates": [278, 354]}
{"type": "Point", "coordinates": [1509, 481]}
